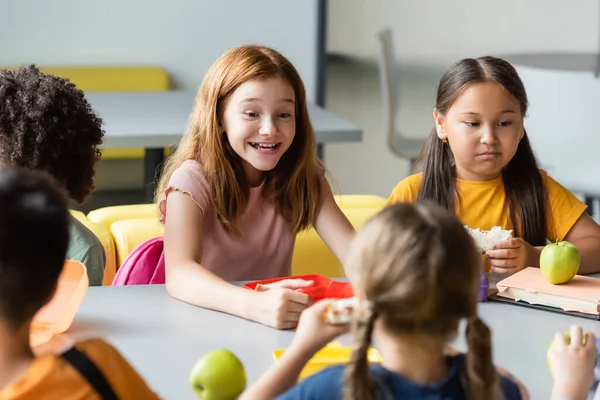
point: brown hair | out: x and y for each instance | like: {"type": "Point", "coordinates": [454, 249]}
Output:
{"type": "Point", "coordinates": [419, 270]}
{"type": "Point", "coordinates": [523, 184]}
{"type": "Point", "coordinates": [293, 185]}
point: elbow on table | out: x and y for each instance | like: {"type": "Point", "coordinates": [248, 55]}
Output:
{"type": "Point", "coordinates": [173, 282]}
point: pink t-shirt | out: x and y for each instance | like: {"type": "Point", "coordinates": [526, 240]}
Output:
{"type": "Point", "coordinates": [263, 250]}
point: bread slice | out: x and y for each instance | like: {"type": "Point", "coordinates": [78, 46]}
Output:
{"type": "Point", "coordinates": [485, 240]}
{"type": "Point", "coordinates": [341, 311]}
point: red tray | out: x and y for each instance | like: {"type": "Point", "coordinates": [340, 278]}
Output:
{"type": "Point", "coordinates": [323, 287]}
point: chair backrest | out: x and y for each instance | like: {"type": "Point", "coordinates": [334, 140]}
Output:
{"type": "Point", "coordinates": [311, 254]}
{"type": "Point", "coordinates": [386, 80]}
{"type": "Point", "coordinates": [346, 201]}
{"type": "Point", "coordinates": [133, 224]}
{"type": "Point", "coordinates": [109, 215]}
{"type": "Point", "coordinates": [128, 234]}
{"type": "Point", "coordinates": [113, 78]}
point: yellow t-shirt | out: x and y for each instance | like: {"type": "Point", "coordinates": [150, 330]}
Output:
{"type": "Point", "coordinates": [482, 204]}
{"type": "Point", "coordinates": [50, 377]}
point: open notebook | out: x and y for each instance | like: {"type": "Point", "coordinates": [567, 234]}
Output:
{"type": "Point", "coordinates": [580, 296]}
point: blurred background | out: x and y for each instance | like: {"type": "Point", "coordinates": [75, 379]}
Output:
{"type": "Point", "coordinates": [343, 49]}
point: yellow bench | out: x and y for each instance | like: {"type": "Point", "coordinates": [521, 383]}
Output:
{"type": "Point", "coordinates": [311, 255]}
{"type": "Point", "coordinates": [130, 225]}
{"type": "Point", "coordinates": [108, 215]}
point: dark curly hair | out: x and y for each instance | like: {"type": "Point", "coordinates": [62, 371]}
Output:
{"type": "Point", "coordinates": [47, 124]}
{"type": "Point", "coordinates": [34, 236]}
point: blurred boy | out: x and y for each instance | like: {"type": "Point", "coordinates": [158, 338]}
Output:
{"type": "Point", "coordinates": [34, 236]}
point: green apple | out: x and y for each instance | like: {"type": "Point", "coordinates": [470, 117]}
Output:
{"type": "Point", "coordinates": [559, 262]}
{"type": "Point", "coordinates": [568, 338]}
{"type": "Point", "coordinates": [218, 375]}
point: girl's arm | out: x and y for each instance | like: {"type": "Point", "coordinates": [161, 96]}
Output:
{"type": "Point", "coordinates": [312, 334]}
{"type": "Point", "coordinates": [332, 225]}
{"type": "Point", "coordinates": [188, 281]}
{"type": "Point", "coordinates": [281, 377]}
{"type": "Point", "coordinates": [585, 235]}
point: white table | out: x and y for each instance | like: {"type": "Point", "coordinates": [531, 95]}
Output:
{"type": "Point", "coordinates": [163, 337]}
{"type": "Point", "coordinates": [155, 120]}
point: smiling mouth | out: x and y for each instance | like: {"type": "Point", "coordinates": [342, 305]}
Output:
{"type": "Point", "coordinates": [265, 146]}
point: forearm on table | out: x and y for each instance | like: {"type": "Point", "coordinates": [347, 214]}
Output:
{"type": "Point", "coordinates": [194, 284]}
{"type": "Point", "coordinates": [589, 249]}
{"type": "Point", "coordinates": [281, 377]}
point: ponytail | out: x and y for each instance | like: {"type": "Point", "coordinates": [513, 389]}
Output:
{"type": "Point", "coordinates": [480, 374]}
{"type": "Point", "coordinates": [437, 184]}
{"type": "Point", "coordinates": [359, 385]}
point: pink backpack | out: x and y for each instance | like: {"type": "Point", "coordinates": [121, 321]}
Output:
{"type": "Point", "coordinates": [145, 265]}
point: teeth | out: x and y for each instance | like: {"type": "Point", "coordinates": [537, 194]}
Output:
{"type": "Point", "coordinates": [265, 146]}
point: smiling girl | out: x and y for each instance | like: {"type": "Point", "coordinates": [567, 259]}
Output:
{"type": "Point", "coordinates": [244, 180]}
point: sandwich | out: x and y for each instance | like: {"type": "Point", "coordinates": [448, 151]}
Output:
{"type": "Point", "coordinates": [341, 311]}
{"type": "Point", "coordinates": [485, 239]}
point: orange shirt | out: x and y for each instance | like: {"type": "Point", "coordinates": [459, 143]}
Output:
{"type": "Point", "coordinates": [50, 377]}
{"type": "Point", "coordinates": [482, 204]}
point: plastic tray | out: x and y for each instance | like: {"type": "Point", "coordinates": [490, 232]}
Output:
{"type": "Point", "coordinates": [58, 314]}
{"type": "Point", "coordinates": [323, 287]}
{"type": "Point", "coordinates": [332, 354]}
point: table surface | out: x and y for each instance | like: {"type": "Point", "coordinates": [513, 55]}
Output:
{"type": "Point", "coordinates": [163, 337]}
{"type": "Point", "coordinates": [159, 119]}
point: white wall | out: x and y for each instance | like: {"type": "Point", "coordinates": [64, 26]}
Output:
{"type": "Point", "coordinates": [562, 124]}
{"type": "Point", "coordinates": [429, 35]}
{"type": "Point", "coordinates": [440, 31]}
{"type": "Point", "coordinates": [183, 36]}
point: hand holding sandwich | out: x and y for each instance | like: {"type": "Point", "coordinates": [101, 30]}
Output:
{"type": "Point", "coordinates": [314, 330]}
{"type": "Point", "coordinates": [513, 255]}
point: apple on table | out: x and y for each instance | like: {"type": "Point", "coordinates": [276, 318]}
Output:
{"type": "Point", "coordinates": [218, 375]}
{"type": "Point", "coordinates": [559, 262]}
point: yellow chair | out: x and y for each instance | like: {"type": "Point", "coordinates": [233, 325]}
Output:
{"type": "Point", "coordinates": [132, 224]}
{"type": "Point", "coordinates": [109, 215]}
{"type": "Point", "coordinates": [115, 79]}
{"type": "Point", "coordinates": [127, 234]}
{"type": "Point", "coordinates": [311, 254]}
{"type": "Point", "coordinates": [360, 201]}
{"type": "Point", "coordinates": [110, 269]}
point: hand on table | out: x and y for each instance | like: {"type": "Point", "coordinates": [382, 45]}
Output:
{"type": "Point", "coordinates": [279, 305]}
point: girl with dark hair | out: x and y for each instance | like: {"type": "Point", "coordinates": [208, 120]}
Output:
{"type": "Point", "coordinates": [478, 163]}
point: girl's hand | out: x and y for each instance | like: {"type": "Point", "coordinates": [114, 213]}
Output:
{"type": "Point", "coordinates": [285, 283]}
{"type": "Point", "coordinates": [512, 255]}
{"type": "Point", "coordinates": [279, 308]}
{"type": "Point", "coordinates": [573, 364]}
{"type": "Point", "coordinates": [314, 331]}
